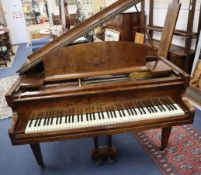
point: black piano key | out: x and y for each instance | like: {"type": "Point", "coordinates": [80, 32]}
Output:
{"type": "Point", "coordinates": [87, 117]}
{"type": "Point", "coordinates": [39, 122]}
{"type": "Point", "coordinates": [66, 119]}
{"type": "Point", "coordinates": [120, 113]}
{"type": "Point", "coordinates": [48, 121]}
{"type": "Point", "coordinates": [133, 109]}
{"type": "Point", "coordinates": [90, 117]}
{"type": "Point", "coordinates": [140, 108]}
{"type": "Point", "coordinates": [155, 109]}
{"type": "Point", "coordinates": [170, 105]}
{"type": "Point", "coordinates": [60, 120]}
{"type": "Point", "coordinates": [144, 104]}
{"type": "Point", "coordinates": [40, 119]}
{"type": "Point", "coordinates": [72, 118]}
{"type": "Point", "coordinates": [69, 119]}
{"type": "Point", "coordinates": [57, 121]}
{"type": "Point", "coordinates": [44, 122]}
{"type": "Point", "coordinates": [103, 117]}
{"type": "Point", "coordinates": [114, 113]}
{"type": "Point", "coordinates": [164, 101]}
{"type": "Point", "coordinates": [128, 111]}
{"type": "Point", "coordinates": [161, 105]}
{"type": "Point", "coordinates": [78, 118]}
{"type": "Point", "coordinates": [156, 105]}
{"type": "Point", "coordinates": [111, 114]}
{"type": "Point", "coordinates": [99, 115]}
{"type": "Point", "coordinates": [51, 121]}
{"type": "Point", "coordinates": [141, 112]}
{"type": "Point", "coordinates": [35, 124]}
{"type": "Point", "coordinates": [166, 104]}
{"type": "Point", "coordinates": [152, 109]}
{"type": "Point", "coordinates": [131, 112]}
{"type": "Point", "coordinates": [94, 118]}
{"type": "Point", "coordinates": [123, 113]}
{"type": "Point", "coordinates": [175, 108]}
{"type": "Point", "coordinates": [30, 122]}
{"type": "Point", "coordinates": [171, 102]}
{"type": "Point", "coordinates": [108, 115]}
{"type": "Point", "coordinates": [47, 118]}
{"type": "Point", "coordinates": [81, 117]}
{"type": "Point", "coordinates": [150, 106]}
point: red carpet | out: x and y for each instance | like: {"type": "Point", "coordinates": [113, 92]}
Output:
{"type": "Point", "coordinates": [183, 154]}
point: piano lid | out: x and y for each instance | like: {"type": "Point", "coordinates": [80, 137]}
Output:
{"type": "Point", "coordinates": [78, 31]}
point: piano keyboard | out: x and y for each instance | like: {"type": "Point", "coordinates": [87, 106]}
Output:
{"type": "Point", "coordinates": [109, 117]}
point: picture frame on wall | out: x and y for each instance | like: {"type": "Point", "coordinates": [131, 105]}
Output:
{"type": "Point", "coordinates": [112, 35]}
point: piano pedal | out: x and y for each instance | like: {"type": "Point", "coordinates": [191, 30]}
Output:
{"type": "Point", "coordinates": [99, 162]}
{"type": "Point", "coordinates": [111, 160]}
{"type": "Point", "coordinates": [104, 154]}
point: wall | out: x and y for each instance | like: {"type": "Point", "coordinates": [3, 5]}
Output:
{"type": "Point", "coordinates": [2, 19]}
{"type": "Point", "coordinates": [96, 5]}
{"type": "Point", "coordinates": [15, 21]}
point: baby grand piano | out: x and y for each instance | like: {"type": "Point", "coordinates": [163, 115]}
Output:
{"type": "Point", "coordinates": [95, 89]}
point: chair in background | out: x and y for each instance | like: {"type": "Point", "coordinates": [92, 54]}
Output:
{"type": "Point", "coordinates": [4, 52]}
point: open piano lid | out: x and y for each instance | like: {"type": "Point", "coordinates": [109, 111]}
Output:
{"type": "Point", "coordinates": [78, 31]}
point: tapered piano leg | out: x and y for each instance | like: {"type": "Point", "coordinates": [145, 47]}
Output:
{"type": "Point", "coordinates": [109, 141]}
{"type": "Point", "coordinates": [35, 147]}
{"type": "Point", "coordinates": [96, 153]}
{"type": "Point", "coordinates": [165, 137]}
{"type": "Point", "coordinates": [111, 150]}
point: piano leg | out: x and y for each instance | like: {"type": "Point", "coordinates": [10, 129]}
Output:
{"type": "Point", "coordinates": [165, 137]}
{"type": "Point", "coordinates": [111, 150]}
{"type": "Point", "coordinates": [96, 143]}
{"type": "Point", "coordinates": [35, 147]}
{"type": "Point", "coordinates": [109, 139]}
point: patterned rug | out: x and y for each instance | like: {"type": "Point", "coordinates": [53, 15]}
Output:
{"type": "Point", "coordinates": [5, 84]}
{"type": "Point", "coordinates": [183, 155]}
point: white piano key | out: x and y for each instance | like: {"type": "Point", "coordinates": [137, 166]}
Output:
{"type": "Point", "coordinates": [27, 129]}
